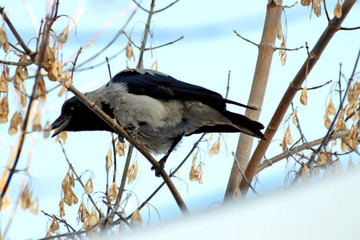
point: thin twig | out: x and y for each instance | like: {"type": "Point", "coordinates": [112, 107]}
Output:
{"type": "Point", "coordinates": [16, 34]}
{"type": "Point", "coordinates": [27, 63]}
{"type": "Point", "coordinates": [121, 31]}
{"type": "Point", "coordinates": [146, 33]}
{"type": "Point", "coordinates": [275, 48]}
{"type": "Point", "coordinates": [165, 44]}
{"type": "Point", "coordinates": [319, 86]}
{"type": "Point", "coordinates": [228, 85]}
{"type": "Point", "coordinates": [162, 9]}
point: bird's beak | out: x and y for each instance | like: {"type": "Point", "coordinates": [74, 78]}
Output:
{"type": "Point", "coordinates": [60, 124]}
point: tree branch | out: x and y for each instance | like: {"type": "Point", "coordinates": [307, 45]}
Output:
{"type": "Point", "coordinates": [256, 98]}
{"type": "Point", "coordinates": [287, 98]}
{"type": "Point", "coordinates": [120, 130]}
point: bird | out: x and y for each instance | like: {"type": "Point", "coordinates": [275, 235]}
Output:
{"type": "Point", "coordinates": [157, 110]}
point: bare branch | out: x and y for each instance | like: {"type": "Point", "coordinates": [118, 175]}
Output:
{"type": "Point", "coordinates": [309, 63]}
{"type": "Point", "coordinates": [258, 45]}
{"type": "Point", "coordinates": [162, 9]}
{"type": "Point", "coordinates": [305, 146]}
{"type": "Point", "coordinates": [16, 34]}
{"type": "Point", "coordinates": [146, 33]}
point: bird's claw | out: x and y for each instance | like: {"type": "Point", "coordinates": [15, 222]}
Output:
{"type": "Point", "coordinates": [158, 171]}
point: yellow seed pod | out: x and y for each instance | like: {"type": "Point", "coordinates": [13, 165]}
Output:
{"type": "Point", "coordinates": [54, 225]}
{"type": "Point", "coordinates": [62, 208]}
{"type": "Point", "coordinates": [3, 83]}
{"type": "Point", "coordinates": [108, 160]}
{"type": "Point", "coordinates": [338, 10]}
{"type": "Point", "coordinates": [63, 36]}
{"type": "Point", "coordinates": [4, 109]}
{"type": "Point", "coordinates": [112, 192]}
{"type": "Point", "coordinates": [330, 109]}
{"type": "Point", "coordinates": [136, 218]}
{"type": "Point", "coordinates": [303, 96]}
{"type": "Point", "coordinates": [215, 148]}
{"type": "Point", "coordinates": [89, 186]}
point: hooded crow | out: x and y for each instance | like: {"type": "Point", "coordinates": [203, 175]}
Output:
{"type": "Point", "coordinates": [156, 109]}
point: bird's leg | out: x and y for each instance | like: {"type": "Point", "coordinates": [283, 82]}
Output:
{"type": "Point", "coordinates": [162, 161]}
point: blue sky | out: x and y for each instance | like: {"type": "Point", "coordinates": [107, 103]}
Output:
{"type": "Point", "coordinates": [208, 51]}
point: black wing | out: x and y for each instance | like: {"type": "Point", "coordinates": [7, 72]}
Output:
{"type": "Point", "coordinates": [159, 85]}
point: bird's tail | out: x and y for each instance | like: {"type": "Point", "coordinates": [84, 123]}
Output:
{"type": "Point", "coordinates": [245, 124]}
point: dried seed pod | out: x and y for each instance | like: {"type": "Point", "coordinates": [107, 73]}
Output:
{"type": "Point", "coordinates": [108, 160]}
{"type": "Point", "coordinates": [40, 90]}
{"type": "Point", "coordinates": [26, 196]}
{"type": "Point", "coordinates": [47, 130]}
{"type": "Point", "coordinates": [303, 96]}
{"type": "Point", "coordinates": [54, 225]}
{"type": "Point", "coordinates": [129, 51]}
{"type": "Point", "coordinates": [132, 172]}
{"type": "Point", "coordinates": [330, 109]}
{"type": "Point", "coordinates": [89, 186]}
{"type": "Point", "coordinates": [63, 36]}
{"type": "Point", "coordinates": [34, 206]}
{"type": "Point", "coordinates": [63, 136]}
{"type": "Point", "coordinates": [66, 79]}
{"type": "Point", "coordinates": [83, 212]}
{"type": "Point", "coordinates": [4, 109]}
{"type": "Point", "coordinates": [327, 120]}
{"type": "Point", "coordinates": [4, 40]}
{"type": "Point", "coordinates": [305, 2]}
{"type": "Point", "coordinates": [36, 124]}
{"type": "Point", "coordinates": [3, 83]}
{"type": "Point", "coordinates": [48, 59]}
{"type": "Point", "coordinates": [112, 192]}
{"type": "Point", "coordinates": [120, 148]}
{"type": "Point", "coordinates": [338, 10]}
{"type": "Point", "coordinates": [136, 218]}
{"type": "Point", "coordinates": [215, 148]}
{"type": "Point", "coordinates": [55, 71]}
{"type": "Point", "coordinates": [282, 51]}
{"type": "Point", "coordinates": [62, 208]}
{"type": "Point", "coordinates": [293, 118]}
{"type": "Point", "coordinates": [154, 66]}
{"type": "Point", "coordinates": [340, 123]}
{"type": "Point", "coordinates": [196, 173]}
{"type": "Point", "coordinates": [15, 121]}
{"type": "Point", "coordinates": [305, 173]}
{"type": "Point", "coordinates": [91, 220]}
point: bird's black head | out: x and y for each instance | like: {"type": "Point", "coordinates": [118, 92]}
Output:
{"type": "Point", "coordinates": [75, 116]}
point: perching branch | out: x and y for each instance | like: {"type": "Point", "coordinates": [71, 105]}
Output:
{"type": "Point", "coordinates": [120, 130]}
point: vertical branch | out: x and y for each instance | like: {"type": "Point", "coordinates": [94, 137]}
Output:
{"type": "Point", "coordinates": [146, 33]}
{"type": "Point", "coordinates": [333, 26]}
{"type": "Point", "coordinates": [261, 75]}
